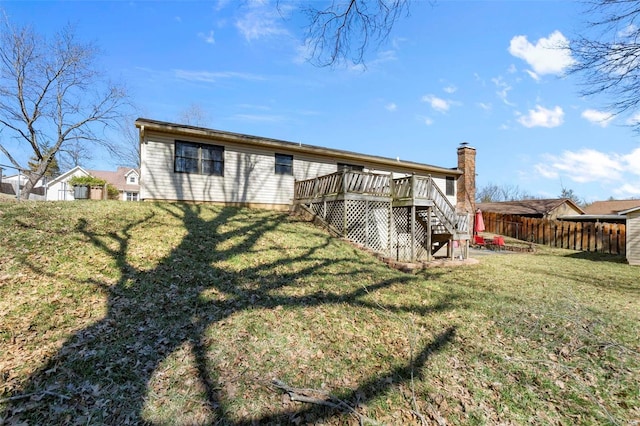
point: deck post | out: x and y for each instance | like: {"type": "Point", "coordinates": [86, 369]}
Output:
{"type": "Point", "coordinates": [413, 218]}
{"type": "Point", "coordinates": [366, 223]}
{"type": "Point", "coordinates": [392, 187]}
{"type": "Point", "coordinates": [390, 223]}
{"type": "Point", "coordinates": [346, 204]}
{"type": "Point", "coordinates": [429, 243]}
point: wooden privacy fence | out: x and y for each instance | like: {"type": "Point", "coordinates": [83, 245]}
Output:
{"type": "Point", "coordinates": [584, 236]}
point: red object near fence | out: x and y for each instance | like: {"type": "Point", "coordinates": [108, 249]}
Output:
{"type": "Point", "coordinates": [478, 225]}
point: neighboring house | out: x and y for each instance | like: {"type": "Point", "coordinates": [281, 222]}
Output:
{"type": "Point", "coordinates": [126, 179]}
{"type": "Point", "coordinates": [633, 234]}
{"type": "Point", "coordinates": [186, 163]}
{"type": "Point", "coordinates": [610, 207]}
{"type": "Point", "coordinates": [544, 209]}
{"type": "Point", "coordinates": [59, 188]}
{"type": "Point", "coordinates": [13, 184]}
{"type": "Point", "coordinates": [604, 211]}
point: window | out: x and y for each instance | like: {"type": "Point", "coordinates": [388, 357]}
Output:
{"type": "Point", "coordinates": [349, 167]}
{"type": "Point", "coordinates": [132, 179]}
{"type": "Point", "coordinates": [451, 186]}
{"type": "Point", "coordinates": [199, 158]}
{"type": "Point", "coordinates": [284, 164]}
{"type": "Point", "coordinates": [132, 196]}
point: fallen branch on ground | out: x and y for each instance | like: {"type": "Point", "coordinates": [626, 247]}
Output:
{"type": "Point", "coordinates": [318, 397]}
{"type": "Point", "coordinates": [29, 395]}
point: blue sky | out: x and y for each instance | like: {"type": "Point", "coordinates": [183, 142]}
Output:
{"type": "Point", "coordinates": [453, 71]}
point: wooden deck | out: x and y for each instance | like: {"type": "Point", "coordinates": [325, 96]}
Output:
{"type": "Point", "coordinates": [411, 211]}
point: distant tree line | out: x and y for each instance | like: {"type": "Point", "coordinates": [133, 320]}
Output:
{"type": "Point", "coordinates": [493, 193]}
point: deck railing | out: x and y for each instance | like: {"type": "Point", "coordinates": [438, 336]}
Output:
{"type": "Point", "coordinates": [376, 184]}
{"type": "Point", "coordinates": [352, 182]}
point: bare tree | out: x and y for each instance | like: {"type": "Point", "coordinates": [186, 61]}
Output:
{"type": "Point", "coordinates": [609, 58]}
{"type": "Point", "coordinates": [128, 151]}
{"type": "Point", "coordinates": [492, 192]}
{"type": "Point", "coordinates": [571, 195]}
{"type": "Point", "coordinates": [194, 115]}
{"type": "Point", "coordinates": [51, 95]}
{"type": "Point", "coordinates": [344, 30]}
{"type": "Point", "coordinates": [74, 153]}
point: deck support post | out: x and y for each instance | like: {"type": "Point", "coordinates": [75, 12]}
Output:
{"type": "Point", "coordinates": [346, 204]}
{"type": "Point", "coordinates": [413, 218]}
{"type": "Point", "coordinates": [366, 224]}
{"type": "Point", "coordinates": [429, 243]}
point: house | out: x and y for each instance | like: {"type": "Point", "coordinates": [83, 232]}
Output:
{"type": "Point", "coordinates": [545, 209]}
{"type": "Point", "coordinates": [59, 188]}
{"type": "Point", "coordinates": [610, 209]}
{"type": "Point", "coordinates": [125, 179]}
{"type": "Point", "coordinates": [187, 163]}
{"type": "Point", "coordinates": [633, 235]}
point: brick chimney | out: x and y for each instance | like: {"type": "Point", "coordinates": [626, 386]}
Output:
{"type": "Point", "coordinates": [466, 190]}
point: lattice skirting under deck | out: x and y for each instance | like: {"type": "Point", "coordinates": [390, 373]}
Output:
{"type": "Point", "coordinates": [376, 225]}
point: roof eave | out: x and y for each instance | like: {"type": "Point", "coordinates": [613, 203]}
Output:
{"type": "Point", "coordinates": [151, 125]}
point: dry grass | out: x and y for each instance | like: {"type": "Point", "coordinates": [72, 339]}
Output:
{"type": "Point", "coordinates": [115, 313]}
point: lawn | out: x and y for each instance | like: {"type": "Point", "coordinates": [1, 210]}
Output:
{"type": "Point", "coordinates": [129, 313]}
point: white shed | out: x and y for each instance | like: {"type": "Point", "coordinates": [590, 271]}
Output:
{"type": "Point", "coordinates": [633, 235]}
{"type": "Point", "coordinates": [59, 189]}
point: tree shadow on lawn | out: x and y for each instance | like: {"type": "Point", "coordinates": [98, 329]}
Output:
{"type": "Point", "coordinates": [102, 373]}
{"type": "Point", "coordinates": [598, 257]}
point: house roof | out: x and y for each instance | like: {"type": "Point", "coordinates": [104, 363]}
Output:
{"type": "Point", "coordinates": [527, 207]}
{"type": "Point", "coordinates": [145, 124]}
{"type": "Point", "coordinates": [631, 210]}
{"type": "Point", "coordinates": [611, 206]}
{"type": "Point", "coordinates": [117, 178]}
{"type": "Point", "coordinates": [67, 175]}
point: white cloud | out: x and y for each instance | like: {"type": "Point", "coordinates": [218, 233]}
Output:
{"type": "Point", "coordinates": [512, 69]}
{"type": "Point", "coordinates": [601, 118]}
{"type": "Point", "coordinates": [212, 77]}
{"type": "Point", "coordinates": [484, 106]}
{"type": "Point", "coordinates": [631, 161]}
{"type": "Point", "coordinates": [260, 118]}
{"type": "Point", "coordinates": [634, 119]}
{"type": "Point", "coordinates": [628, 31]}
{"type": "Point", "coordinates": [261, 20]}
{"type": "Point", "coordinates": [628, 190]}
{"type": "Point", "coordinates": [588, 165]}
{"type": "Point", "coordinates": [391, 107]}
{"type": "Point", "coordinates": [425, 120]}
{"type": "Point", "coordinates": [439, 104]}
{"type": "Point", "coordinates": [503, 90]}
{"type": "Point", "coordinates": [450, 89]}
{"type": "Point", "coordinates": [546, 171]}
{"type": "Point", "coordinates": [548, 56]}
{"type": "Point", "coordinates": [533, 75]}
{"type": "Point", "coordinates": [208, 38]}
{"type": "Point", "coordinates": [543, 117]}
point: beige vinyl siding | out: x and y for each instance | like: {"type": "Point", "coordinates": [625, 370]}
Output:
{"type": "Point", "coordinates": [249, 174]}
{"type": "Point", "coordinates": [633, 238]}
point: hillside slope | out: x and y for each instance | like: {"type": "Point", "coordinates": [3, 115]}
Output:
{"type": "Point", "coordinates": [116, 313]}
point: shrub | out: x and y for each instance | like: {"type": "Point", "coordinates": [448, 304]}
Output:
{"type": "Point", "coordinates": [86, 180]}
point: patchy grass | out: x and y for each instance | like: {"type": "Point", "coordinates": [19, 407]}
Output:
{"type": "Point", "coordinates": [116, 313]}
